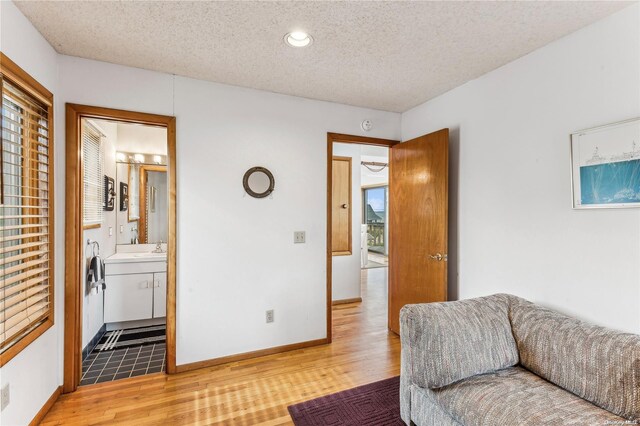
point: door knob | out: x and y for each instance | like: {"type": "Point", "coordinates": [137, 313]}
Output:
{"type": "Point", "coordinates": [436, 256]}
{"type": "Point", "coordinates": [345, 206]}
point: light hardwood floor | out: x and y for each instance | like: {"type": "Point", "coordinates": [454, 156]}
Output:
{"type": "Point", "coordinates": [251, 392]}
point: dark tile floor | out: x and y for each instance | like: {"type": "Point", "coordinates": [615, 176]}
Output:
{"type": "Point", "coordinates": [122, 363]}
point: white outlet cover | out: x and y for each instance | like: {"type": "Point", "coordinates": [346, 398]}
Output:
{"type": "Point", "coordinates": [299, 237]}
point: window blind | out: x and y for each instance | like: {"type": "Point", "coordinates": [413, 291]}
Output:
{"type": "Point", "coordinates": [26, 244]}
{"type": "Point", "coordinates": [93, 177]}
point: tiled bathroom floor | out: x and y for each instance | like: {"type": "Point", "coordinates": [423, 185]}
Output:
{"type": "Point", "coordinates": [117, 364]}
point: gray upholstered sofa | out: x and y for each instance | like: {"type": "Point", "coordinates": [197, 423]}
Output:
{"type": "Point", "coordinates": [500, 360]}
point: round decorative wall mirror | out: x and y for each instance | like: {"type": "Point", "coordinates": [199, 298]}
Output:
{"type": "Point", "coordinates": [258, 182]}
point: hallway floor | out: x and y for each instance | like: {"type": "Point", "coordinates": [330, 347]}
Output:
{"type": "Point", "coordinates": [255, 391]}
{"type": "Point", "coordinates": [376, 260]}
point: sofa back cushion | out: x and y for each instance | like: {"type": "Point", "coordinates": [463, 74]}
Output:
{"type": "Point", "coordinates": [450, 341]}
{"type": "Point", "coordinates": [595, 363]}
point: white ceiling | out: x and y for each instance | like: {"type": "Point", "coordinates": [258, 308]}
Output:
{"type": "Point", "coordinates": [136, 138]}
{"type": "Point", "coordinates": [383, 55]}
{"type": "Point", "coordinates": [141, 139]}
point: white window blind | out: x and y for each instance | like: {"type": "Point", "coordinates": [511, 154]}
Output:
{"type": "Point", "coordinates": [93, 177]}
{"type": "Point", "coordinates": [26, 227]}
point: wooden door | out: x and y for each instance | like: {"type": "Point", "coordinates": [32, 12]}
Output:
{"type": "Point", "coordinates": [418, 208]}
{"type": "Point", "coordinates": [341, 206]}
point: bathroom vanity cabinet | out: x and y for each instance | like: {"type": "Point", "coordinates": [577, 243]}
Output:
{"type": "Point", "coordinates": [136, 287]}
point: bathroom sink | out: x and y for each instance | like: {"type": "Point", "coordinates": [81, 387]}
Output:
{"type": "Point", "coordinates": [152, 254]}
{"type": "Point", "coordinates": [137, 257]}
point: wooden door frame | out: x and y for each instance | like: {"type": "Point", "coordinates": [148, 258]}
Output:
{"type": "Point", "coordinates": [74, 244]}
{"type": "Point", "coordinates": [331, 139]}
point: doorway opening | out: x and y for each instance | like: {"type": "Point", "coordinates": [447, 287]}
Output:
{"type": "Point", "coordinates": [120, 245]}
{"type": "Point", "coordinates": [357, 218]}
{"type": "Point", "coordinates": [409, 219]}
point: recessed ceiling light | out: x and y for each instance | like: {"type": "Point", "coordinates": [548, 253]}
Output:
{"type": "Point", "coordinates": [298, 39]}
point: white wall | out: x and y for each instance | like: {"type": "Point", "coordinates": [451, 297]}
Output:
{"type": "Point", "coordinates": [370, 178]}
{"type": "Point", "coordinates": [345, 270]}
{"type": "Point", "coordinates": [513, 229]}
{"type": "Point", "coordinates": [35, 373]}
{"type": "Point", "coordinates": [246, 243]}
{"type": "Point", "coordinates": [93, 304]}
{"type": "Point", "coordinates": [376, 154]}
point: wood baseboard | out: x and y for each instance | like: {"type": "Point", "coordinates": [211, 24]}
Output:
{"type": "Point", "coordinates": [343, 301]}
{"type": "Point", "coordinates": [46, 407]}
{"type": "Point", "coordinates": [255, 354]}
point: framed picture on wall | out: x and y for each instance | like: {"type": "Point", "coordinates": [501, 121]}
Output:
{"type": "Point", "coordinates": [109, 194]}
{"type": "Point", "coordinates": [605, 165]}
{"type": "Point", "coordinates": [124, 197]}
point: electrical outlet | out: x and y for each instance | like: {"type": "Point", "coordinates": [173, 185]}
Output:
{"type": "Point", "coordinates": [299, 237]}
{"type": "Point", "coordinates": [110, 231]}
{"type": "Point", "coordinates": [4, 397]}
{"type": "Point", "coordinates": [270, 317]}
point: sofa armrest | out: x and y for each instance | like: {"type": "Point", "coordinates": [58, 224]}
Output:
{"type": "Point", "coordinates": [443, 343]}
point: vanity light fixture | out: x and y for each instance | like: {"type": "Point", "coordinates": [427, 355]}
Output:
{"type": "Point", "coordinates": [298, 39]}
{"type": "Point", "coordinates": [138, 158]}
{"type": "Point", "coordinates": [157, 159]}
{"type": "Point", "coordinates": [120, 156]}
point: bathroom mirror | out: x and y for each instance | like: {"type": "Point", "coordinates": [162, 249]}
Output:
{"type": "Point", "coordinates": [145, 219]}
{"type": "Point", "coordinates": [258, 182]}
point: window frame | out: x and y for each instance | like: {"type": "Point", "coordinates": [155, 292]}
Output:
{"type": "Point", "coordinates": [23, 81]}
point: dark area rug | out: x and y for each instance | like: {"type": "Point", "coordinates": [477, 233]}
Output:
{"type": "Point", "coordinates": [375, 404]}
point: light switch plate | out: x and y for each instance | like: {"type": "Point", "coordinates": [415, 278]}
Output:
{"type": "Point", "coordinates": [270, 317]}
{"type": "Point", "coordinates": [299, 237]}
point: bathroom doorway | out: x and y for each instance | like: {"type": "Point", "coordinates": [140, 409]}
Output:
{"type": "Point", "coordinates": [120, 245]}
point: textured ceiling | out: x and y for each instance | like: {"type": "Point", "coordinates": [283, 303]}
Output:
{"type": "Point", "coordinates": [384, 55]}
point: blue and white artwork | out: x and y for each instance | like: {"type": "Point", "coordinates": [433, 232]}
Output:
{"type": "Point", "coordinates": [610, 183]}
{"type": "Point", "coordinates": [606, 166]}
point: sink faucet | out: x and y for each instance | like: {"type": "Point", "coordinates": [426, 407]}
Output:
{"type": "Point", "coordinates": [158, 247]}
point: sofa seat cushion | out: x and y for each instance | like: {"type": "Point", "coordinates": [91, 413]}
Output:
{"type": "Point", "coordinates": [515, 396]}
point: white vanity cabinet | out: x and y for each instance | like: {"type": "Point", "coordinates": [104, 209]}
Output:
{"type": "Point", "coordinates": [160, 294]}
{"type": "Point", "coordinates": [128, 297]}
{"type": "Point", "coordinates": [136, 288]}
